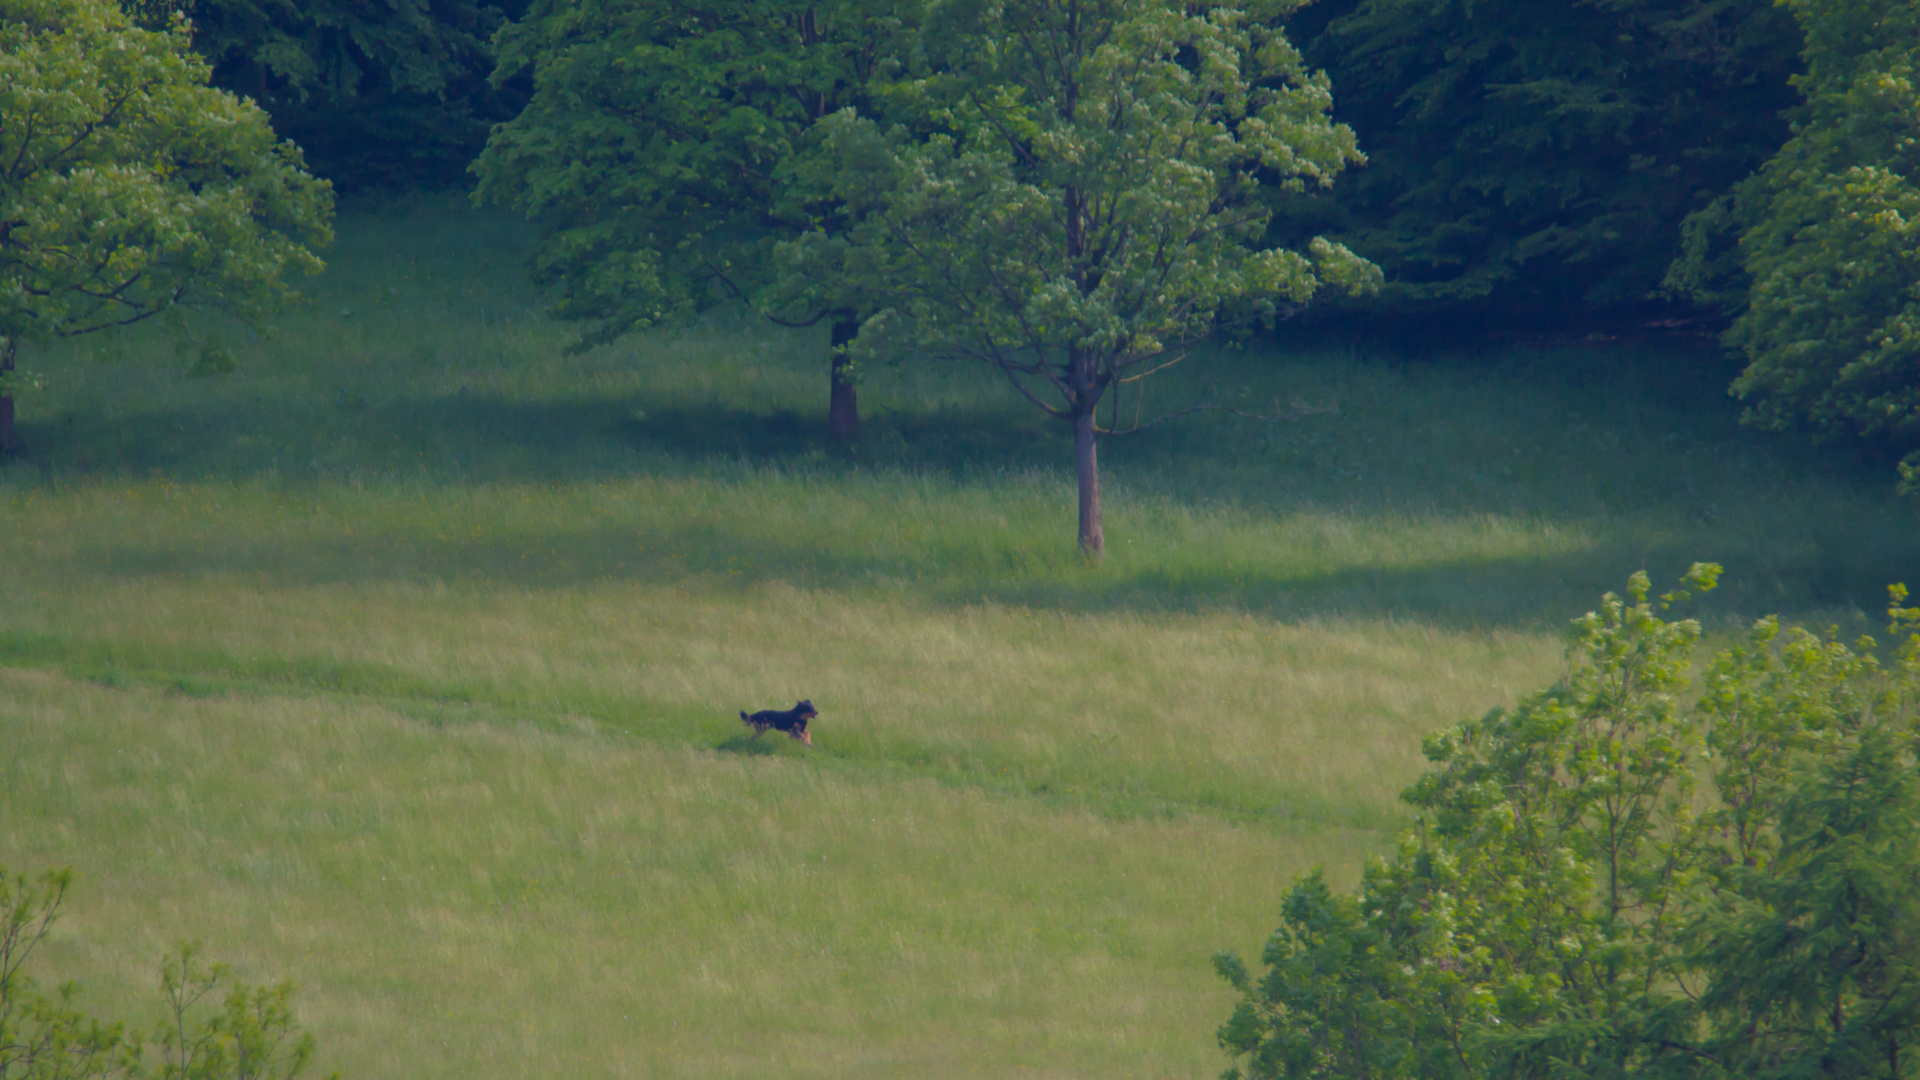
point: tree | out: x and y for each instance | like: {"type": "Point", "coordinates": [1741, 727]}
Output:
{"type": "Point", "coordinates": [1829, 239]}
{"type": "Point", "coordinates": [656, 146]}
{"type": "Point", "coordinates": [1087, 204]}
{"type": "Point", "coordinates": [1529, 157]}
{"type": "Point", "coordinates": [128, 188]}
{"type": "Point", "coordinates": [1570, 906]}
{"type": "Point", "coordinates": [1525, 922]}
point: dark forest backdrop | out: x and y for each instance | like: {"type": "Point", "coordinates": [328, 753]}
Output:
{"type": "Point", "coordinates": [382, 95]}
{"type": "Point", "coordinates": [1533, 169]}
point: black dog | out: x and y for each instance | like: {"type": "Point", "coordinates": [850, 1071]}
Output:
{"type": "Point", "coordinates": [792, 721]}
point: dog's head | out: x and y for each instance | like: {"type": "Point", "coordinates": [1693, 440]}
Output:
{"type": "Point", "coordinates": [805, 710]}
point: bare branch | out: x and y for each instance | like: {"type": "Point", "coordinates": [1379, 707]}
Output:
{"type": "Point", "coordinates": [797, 325]}
{"type": "Point", "coordinates": [1051, 410]}
{"type": "Point", "coordinates": [1296, 410]}
{"type": "Point", "coordinates": [1156, 368]}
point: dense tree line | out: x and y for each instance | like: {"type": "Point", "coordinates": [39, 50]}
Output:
{"type": "Point", "coordinates": [1530, 157]}
{"type": "Point", "coordinates": [1625, 160]}
{"type": "Point", "coordinates": [382, 95]}
{"type": "Point", "coordinates": [1740, 163]}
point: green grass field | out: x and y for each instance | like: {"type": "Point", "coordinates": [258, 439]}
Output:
{"type": "Point", "coordinates": [404, 663]}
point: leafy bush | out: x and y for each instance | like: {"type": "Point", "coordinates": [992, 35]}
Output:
{"type": "Point", "coordinates": [252, 1036]}
{"type": "Point", "coordinates": [1571, 906]}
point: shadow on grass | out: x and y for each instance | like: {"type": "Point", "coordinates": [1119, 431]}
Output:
{"type": "Point", "coordinates": [1644, 505]}
{"type": "Point", "coordinates": [1530, 591]}
{"type": "Point", "coordinates": [1555, 437]}
{"type": "Point", "coordinates": [748, 746]}
{"type": "Point", "coordinates": [465, 438]}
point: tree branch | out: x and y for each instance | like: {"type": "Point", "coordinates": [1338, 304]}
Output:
{"type": "Point", "coordinates": [1295, 412]}
{"type": "Point", "coordinates": [1007, 369]}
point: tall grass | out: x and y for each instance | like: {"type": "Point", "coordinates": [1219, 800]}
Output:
{"type": "Point", "coordinates": [406, 661]}
{"type": "Point", "coordinates": [493, 901]}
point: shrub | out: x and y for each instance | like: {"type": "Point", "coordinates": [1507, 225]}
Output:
{"type": "Point", "coordinates": [252, 1036]}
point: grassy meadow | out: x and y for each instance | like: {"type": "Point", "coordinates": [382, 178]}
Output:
{"type": "Point", "coordinates": [404, 663]}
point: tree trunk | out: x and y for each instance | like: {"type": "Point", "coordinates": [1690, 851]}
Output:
{"type": "Point", "coordinates": [9, 442]}
{"type": "Point", "coordinates": [1086, 462]}
{"type": "Point", "coordinates": [843, 407]}
{"type": "Point", "coordinates": [1093, 540]}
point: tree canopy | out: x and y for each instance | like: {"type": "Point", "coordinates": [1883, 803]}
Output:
{"type": "Point", "coordinates": [129, 188]}
{"type": "Point", "coordinates": [1077, 199]}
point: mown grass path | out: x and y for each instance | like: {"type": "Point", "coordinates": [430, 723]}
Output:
{"type": "Point", "coordinates": [405, 663]}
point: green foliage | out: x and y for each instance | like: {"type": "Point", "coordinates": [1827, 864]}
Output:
{"type": "Point", "coordinates": [1534, 154]}
{"type": "Point", "coordinates": [390, 94]}
{"type": "Point", "coordinates": [1815, 956]}
{"type": "Point", "coordinates": [1088, 204]}
{"type": "Point", "coordinates": [1831, 326]}
{"type": "Point", "coordinates": [1328, 969]}
{"type": "Point", "coordinates": [1567, 909]}
{"type": "Point", "coordinates": [656, 141]}
{"type": "Point", "coordinates": [42, 1036]}
{"type": "Point", "coordinates": [344, 51]}
{"type": "Point", "coordinates": [1811, 941]}
{"type": "Point", "coordinates": [254, 1037]}
{"type": "Point", "coordinates": [128, 186]}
